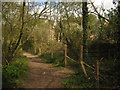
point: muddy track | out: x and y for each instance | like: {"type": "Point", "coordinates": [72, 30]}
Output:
{"type": "Point", "coordinates": [44, 75]}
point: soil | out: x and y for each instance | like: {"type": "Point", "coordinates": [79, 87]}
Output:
{"type": "Point", "coordinates": [44, 75]}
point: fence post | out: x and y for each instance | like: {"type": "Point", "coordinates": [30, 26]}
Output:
{"type": "Point", "coordinates": [81, 53]}
{"type": "Point", "coordinates": [65, 54]}
{"type": "Point", "coordinates": [97, 73]}
{"type": "Point", "coordinates": [81, 60]}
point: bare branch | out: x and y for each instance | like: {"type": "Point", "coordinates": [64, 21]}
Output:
{"type": "Point", "coordinates": [43, 9]}
{"type": "Point", "coordinates": [99, 15]}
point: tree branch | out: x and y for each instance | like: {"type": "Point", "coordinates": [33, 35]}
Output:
{"type": "Point", "coordinates": [43, 9]}
{"type": "Point", "coordinates": [21, 31]}
{"type": "Point", "coordinates": [99, 15]}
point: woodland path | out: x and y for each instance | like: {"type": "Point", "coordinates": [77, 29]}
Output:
{"type": "Point", "coordinates": [44, 75]}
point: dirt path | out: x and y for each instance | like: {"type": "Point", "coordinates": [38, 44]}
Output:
{"type": "Point", "coordinates": [43, 75]}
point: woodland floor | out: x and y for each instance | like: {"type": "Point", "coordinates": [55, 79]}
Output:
{"type": "Point", "coordinates": [44, 75]}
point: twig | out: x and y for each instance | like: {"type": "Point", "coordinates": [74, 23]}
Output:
{"type": "Point", "coordinates": [99, 15]}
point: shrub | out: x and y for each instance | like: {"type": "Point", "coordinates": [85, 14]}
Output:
{"type": "Point", "coordinates": [57, 59]}
{"type": "Point", "coordinates": [78, 80]}
{"type": "Point", "coordinates": [13, 74]}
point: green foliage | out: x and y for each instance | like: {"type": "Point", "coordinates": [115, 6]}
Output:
{"type": "Point", "coordinates": [72, 64]}
{"type": "Point", "coordinates": [110, 71]}
{"type": "Point", "coordinates": [51, 31]}
{"type": "Point", "coordinates": [78, 80]}
{"type": "Point", "coordinates": [13, 74]}
{"type": "Point", "coordinates": [28, 46]}
{"type": "Point", "coordinates": [52, 47]}
{"type": "Point", "coordinates": [14, 31]}
{"type": "Point", "coordinates": [57, 59]}
{"type": "Point", "coordinates": [46, 58]}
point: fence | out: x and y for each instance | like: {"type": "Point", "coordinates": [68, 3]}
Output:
{"type": "Point", "coordinates": [82, 63]}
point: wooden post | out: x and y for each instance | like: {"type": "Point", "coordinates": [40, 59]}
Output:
{"type": "Point", "coordinates": [81, 53]}
{"type": "Point", "coordinates": [65, 55]}
{"type": "Point", "coordinates": [81, 60]}
{"type": "Point", "coordinates": [97, 73]}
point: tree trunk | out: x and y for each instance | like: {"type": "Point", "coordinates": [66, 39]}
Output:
{"type": "Point", "coordinates": [84, 26]}
{"type": "Point", "coordinates": [118, 41]}
{"type": "Point", "coordinates": [21, 32]}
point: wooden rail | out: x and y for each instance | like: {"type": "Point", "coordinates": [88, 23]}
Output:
{"type": "Point", "coordinates": [72, 59]}
{"type": "Point", "coordinates": [88, 65]}
{"type": "Point", "coordinates": [82, 63]}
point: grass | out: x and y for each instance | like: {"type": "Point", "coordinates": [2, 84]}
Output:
{"type": "Point", "coordinates": [109, 70]}
{"type": "Point", "coordinates": [78, 80]}
{"type": "Point", "coordinates": [15, 73]}
{"type": "Point", "coordinates": [57, 59]}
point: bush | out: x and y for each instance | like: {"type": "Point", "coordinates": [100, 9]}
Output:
{"type": "Point", "coordinates": [13, 74]}
{"type": "Point", "coordinates": [110, 71]}
{"type": "Point", "coordinates": [78, 80]}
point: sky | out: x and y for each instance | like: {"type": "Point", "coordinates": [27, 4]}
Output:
{"type": "Point", "coordinates": [107, 3]}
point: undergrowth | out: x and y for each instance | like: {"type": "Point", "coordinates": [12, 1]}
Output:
{"type": "Point", "coordinates": [14, 74]}
{"type": "Point", "coordinates": [79, 80]}
{"type": "Point", "coordinates": [109, 71]}
{"type": "Point", "coordinates": [56, 60]}
{"type": "Point", "coordinates": [109, 76]}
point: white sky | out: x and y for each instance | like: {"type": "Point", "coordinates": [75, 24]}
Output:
{"type": "Point", "coordinates": [107, 3]}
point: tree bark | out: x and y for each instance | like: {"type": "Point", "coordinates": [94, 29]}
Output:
{"type": "Point", "coordinates": [21, 31]}
{"type": "Point", "coordinates": [118, 27]}
{"type": "Point", "coordinates": [84, 26]}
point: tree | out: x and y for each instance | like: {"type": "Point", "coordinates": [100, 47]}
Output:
{"type": "Point", "coordinates": [12, 31]}
{"type": "Point", "coordinates": [84, 26]}
{"type": "Point", "coordinates": [18, 26]}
